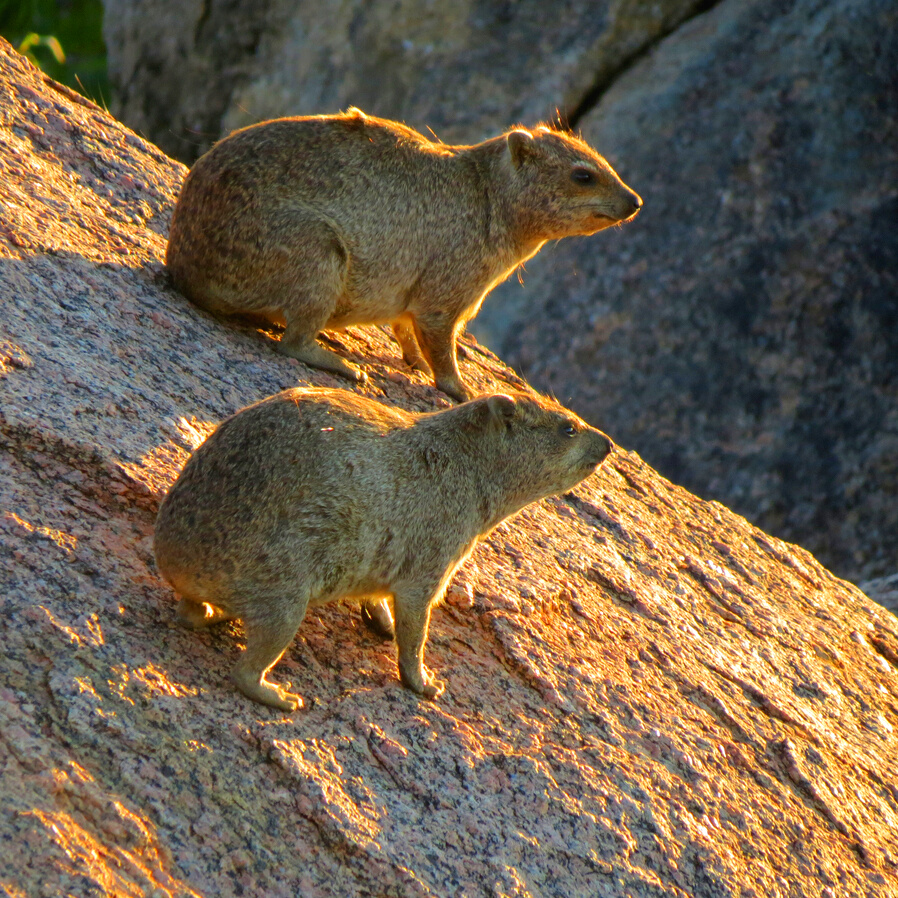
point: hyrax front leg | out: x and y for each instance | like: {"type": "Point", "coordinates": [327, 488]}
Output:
{"type": "Point", "coordinates": [310, 283]}
{"type": "Point", "coordinates": [436, 336]}
{"type": "Point", "coordinates": [299, 344]}
{"type": "Point", "coordinates": [412, 609]}
{"type": "Point", "coordinates": [266, 642]}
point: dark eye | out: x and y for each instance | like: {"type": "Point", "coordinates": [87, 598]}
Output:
{"type": "Point", "coordinates": [582, 176]}
{"type": "Point", "coordinates": [569, 430]}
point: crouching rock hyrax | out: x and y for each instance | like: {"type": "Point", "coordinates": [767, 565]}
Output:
{"type": "Point", "coordinates": [327, 221]}
{"type": "Point", "coordinates": [316, 495]}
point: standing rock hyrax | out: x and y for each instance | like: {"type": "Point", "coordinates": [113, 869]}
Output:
{"type": "Point", "coordinates": [326, 221]}
{"type": "Point", "coordinates": [316, 495]}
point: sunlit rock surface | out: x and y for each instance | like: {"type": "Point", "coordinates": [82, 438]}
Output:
{"type": "Point", "coordinates": [646, 695]}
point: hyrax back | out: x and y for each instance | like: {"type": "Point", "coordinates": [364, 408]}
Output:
{"type": "Point", "coordinates": [326, 221]}
{"type": "Point", "coordinates": [316, 495]}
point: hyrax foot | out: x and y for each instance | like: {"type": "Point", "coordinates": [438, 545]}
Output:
{"type": "Point", "coordinates": [429, 689]}
{"type": "Point", "coordinates": [433, 689]}
{"type": "Point", "coordinates": [312, 353]}
{"type": "Point", "coordinates": [378, 619]}
{"type": "Point", "coordinates": [260, 690]}
{"type": "Point", "coordinates": [454, 388]}
{"type": "Point", "coordinates": [196, 615]}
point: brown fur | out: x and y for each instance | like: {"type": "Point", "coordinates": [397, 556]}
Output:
{"type": "Point", "coordinates": [316, 495]}
{"type": "Point", "coordinates": [327, 221]}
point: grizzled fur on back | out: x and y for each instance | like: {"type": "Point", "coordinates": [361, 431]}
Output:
{"type": "Point", "coordinates": [328, 221]}
{"type": "Point", "coordinates": [315, 495]}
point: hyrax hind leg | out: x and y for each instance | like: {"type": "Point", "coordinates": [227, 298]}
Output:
{"type": "Point", "coordinates": [377, 618]}
{"type": "Point", "coordinates": [404, 331]}
{"type": "Point", "coordinates": [308, 276]}
{"type": "Point", "coordinates": [266, 641]}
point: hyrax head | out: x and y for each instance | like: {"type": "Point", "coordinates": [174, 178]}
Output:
{"type": "Point", "coordinates": [568, 187]}
{"type": "Point", "coordinates": [543, 448]}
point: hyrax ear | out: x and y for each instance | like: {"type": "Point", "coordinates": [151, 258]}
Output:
{"type": "Point", "coordinates": [489, 413]}
{"type": "Point", "coordinates": [501, 409]}
{"type": "Point", "coordinates": [521, 146]}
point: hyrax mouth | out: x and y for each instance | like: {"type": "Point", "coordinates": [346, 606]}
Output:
{"type": "Point", "coordinates": [624, 209]}
{"type": "Point", "coordinates": [597, 453]}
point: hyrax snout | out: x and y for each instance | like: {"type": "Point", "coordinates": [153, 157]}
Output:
{"type": "Point", "coordinates": [317, 495]}
{"type": "Point", "coordinates": [327, 221]}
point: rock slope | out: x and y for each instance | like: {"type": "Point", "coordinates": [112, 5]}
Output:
{"type": "Point", "coordinates": [647, 696]}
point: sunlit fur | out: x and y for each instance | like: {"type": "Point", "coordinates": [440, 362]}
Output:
{"type": "Point", "coordinates": [316, 495]}
{"type": "Point", "coordinates": [327, 221]}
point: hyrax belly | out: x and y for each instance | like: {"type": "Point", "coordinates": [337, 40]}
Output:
{"type": "Point", "coordinates": [376, 300]}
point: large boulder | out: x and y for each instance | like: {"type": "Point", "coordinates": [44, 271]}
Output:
{"type": "Point", "coordinates": [185, 72]}
{"type": "Point", "coordinates": [647, 695]}
{"type": "Point", "coordinates": [743, 332]}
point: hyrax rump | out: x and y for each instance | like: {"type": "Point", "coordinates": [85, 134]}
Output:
{"type": "Point", "coordinates": [316, 495]}
{"type": "Point", "coordinates": [326, 221]}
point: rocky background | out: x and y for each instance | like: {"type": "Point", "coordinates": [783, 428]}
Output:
{"type": "Point", "coordinates": [647, 696]}
{"type": "Point", "coordinates": [741, 334]}
{"type": "Point", "coordinates": [186, 73]}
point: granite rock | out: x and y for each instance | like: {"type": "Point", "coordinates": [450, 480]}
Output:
{"type": "Point", "coordinates": [743, 332]}
{"type": "Point", "coordinates": [185, 73]}
{"type": "Point", "coordinates": [647, 696]}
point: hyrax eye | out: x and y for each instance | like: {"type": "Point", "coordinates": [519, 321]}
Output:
{"type": "Point", "coordinates": [582, 176]}
{"type": "Point", "coordinates": [568, 429]}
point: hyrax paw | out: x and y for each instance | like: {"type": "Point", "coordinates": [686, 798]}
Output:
{"type": "Point", "coordinates": [417, 363]}
{"type": "Point", "coordinates": [285, 701]}
{"type": "Point", "coordinates": [415, 682]}
{"type": "Point", "coordinates": [268, 694]}
{"type": "Point", "coordinates": [196, 615]}
{"type": "Point", "coordinates": [457, 390]}
{"type": "Point", "coordinates": [433, 689]}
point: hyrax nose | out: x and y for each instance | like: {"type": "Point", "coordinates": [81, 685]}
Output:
{"type": "Point", "coordinates": [635, 200]}
{"type": "Point", "coordinates": [602, 445]}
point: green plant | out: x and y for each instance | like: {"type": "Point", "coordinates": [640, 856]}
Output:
{"type": "Point", "coordinates": [63, 37]}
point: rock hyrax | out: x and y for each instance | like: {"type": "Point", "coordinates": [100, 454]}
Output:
{"type": "Point", "coordinates": [325, 221]}
{"type": "Point", "coordinates": [316, 495]}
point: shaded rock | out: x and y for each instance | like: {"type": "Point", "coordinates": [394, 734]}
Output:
{"type": "Point", "coordinates": [189, 72]}
{"type": "Point", "coordinates": [647, 695]}
{"type": "Point", "coordinates": [742, 332]}
{"type": "Point", "coordinates": [883, 590]}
